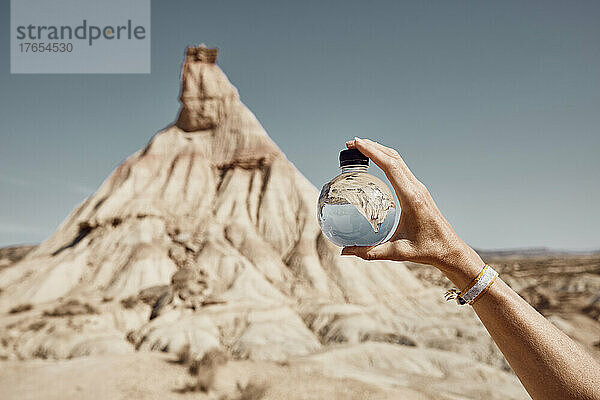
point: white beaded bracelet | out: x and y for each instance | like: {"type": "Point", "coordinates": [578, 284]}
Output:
{"type": "Point", "coordinates": [476, 288]}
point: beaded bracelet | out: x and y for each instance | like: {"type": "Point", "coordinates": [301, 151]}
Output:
{"type": "Point", "coordinates": [476, 288]}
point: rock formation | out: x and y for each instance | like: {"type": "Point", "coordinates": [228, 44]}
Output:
{"type": "Point", "coordinates": [208, 238]}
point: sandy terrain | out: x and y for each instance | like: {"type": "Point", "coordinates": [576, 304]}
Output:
{"type": "Point", "coordinates": [372, 371]}
{"type": "Point", "coordinates": [10, 255]}
{"type": "Point", "coordinates": [568, 284]}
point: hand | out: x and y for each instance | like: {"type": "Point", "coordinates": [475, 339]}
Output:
{"type": "Point", "coordinates": [548, 363]}
{"type": "Point", "coordinates": [423, 235]}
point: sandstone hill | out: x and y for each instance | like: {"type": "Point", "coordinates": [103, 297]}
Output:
{"type": "Point", "coordinates": [207, 239]}
{"type": "Point", "coordinates": [12, 254]}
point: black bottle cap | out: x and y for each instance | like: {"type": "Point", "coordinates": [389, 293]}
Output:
{"type": "Point", "coordinates": [353, 157]}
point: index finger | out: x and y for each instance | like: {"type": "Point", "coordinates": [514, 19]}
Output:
{"type": "Point", "coordinates": [385, 158]}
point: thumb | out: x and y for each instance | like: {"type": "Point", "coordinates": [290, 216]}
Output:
{"type": "Point", "coordinates": [398, 250]}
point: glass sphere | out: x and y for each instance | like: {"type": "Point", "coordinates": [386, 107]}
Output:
{"type": "Point", "coordinates": [356, 208]}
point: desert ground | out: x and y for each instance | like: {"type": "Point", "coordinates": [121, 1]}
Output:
{"type": "Point", "coordinates": [563, 287]}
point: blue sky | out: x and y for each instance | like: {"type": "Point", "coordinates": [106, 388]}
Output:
{"type": "Point", "coordinates": [495, 106]}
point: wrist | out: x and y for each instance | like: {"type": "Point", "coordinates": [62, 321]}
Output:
{"type": "Point", "coordinates": [461, 265]}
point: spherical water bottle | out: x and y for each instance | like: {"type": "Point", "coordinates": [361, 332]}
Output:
{"type": "Point", "coordinates": [356, 208]}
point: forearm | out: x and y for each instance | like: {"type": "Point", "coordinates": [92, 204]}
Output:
{"type": "Point", "coordinates": [549, 364]}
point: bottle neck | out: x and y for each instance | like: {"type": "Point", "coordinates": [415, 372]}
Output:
{"type": "Point", "coordinates": [354, 168]}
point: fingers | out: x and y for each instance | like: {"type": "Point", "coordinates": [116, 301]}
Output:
{"type": "Point", "coordinates": [404, 182]}
{"type": "Point", "coordinates": [386, 158]}
{"type": "Point", "coordinates": [370, 150]}
{"type": "Point", "coordinates": [398, 250]}
{"type": "Point", "coordinates": [368, 142]}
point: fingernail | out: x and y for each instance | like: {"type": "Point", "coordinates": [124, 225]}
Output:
{"type": "Point", "coordinates": [356, 139]}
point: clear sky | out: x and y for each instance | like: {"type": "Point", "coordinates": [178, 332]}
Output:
{"type": "Point", "coordinates": [495, 105]}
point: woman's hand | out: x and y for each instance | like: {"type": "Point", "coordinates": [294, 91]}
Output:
{"type": "Point", "coordinates": [548, 363]}
{"type": "Point", "coordinates": [423, 235]}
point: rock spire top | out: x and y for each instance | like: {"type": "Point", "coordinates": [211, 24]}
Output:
{"type": "Point", "coordinates": [202, 54]}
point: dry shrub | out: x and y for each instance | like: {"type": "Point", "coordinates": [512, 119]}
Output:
{"type": "Point", "coordinates": [392, 338]}
{"type": "Point", "coordinates": [129, 302]}
{"type": "Point", "coordinates": [132, 338]}
{"type": "Point", "coordinates": [283, 363]}
{"type": "Point", "coordinates": [593, 310]}
{"type": "Point", "coordinates": [70, 308]}
{"type": "Point", "coordinates": [151, 295]}
{"type": "Point", "coordinates": [206, 367]}
{"type": "Point", "coordinates": [203, 369]}
{"type": "Point", "coordinates": [205, 379]}
{"type": "Point", "coordinates": [21, 308]}
{"type": "Point", "coordinates": [36, 326]}
{"type": "Point", "coordinates": [252, 391]}
{"type": "Point", "coordinates": [116, 222]}
{"type": "Point", "coordinates": [212, 358]}
{"type": "Point", "coordinates": [184, 355]}
{"type": "Point", "coordinates": [15, 253]}
{"type": "Point", "coordinates": [42, 352]}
